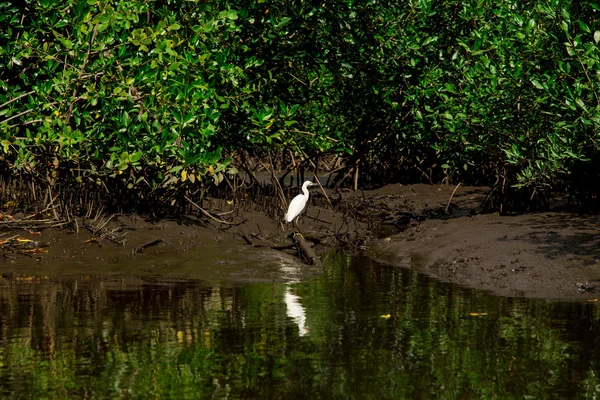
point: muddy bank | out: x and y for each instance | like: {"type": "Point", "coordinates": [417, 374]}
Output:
{"type": "Point", "coordinates": [174, 249]}
{"type": "Point", "coordinates": [226, 242]}
{"type": "Point", "coordinates": [548, 255]}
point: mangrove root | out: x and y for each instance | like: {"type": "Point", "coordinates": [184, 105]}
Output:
{"type": "Point", "coordinates": [100, 232]}
{"type": "Point", "coordinates": [209, 215]}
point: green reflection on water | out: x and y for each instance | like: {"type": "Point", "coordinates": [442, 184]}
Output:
{"type": "Point", "coordinates": [358, 331]}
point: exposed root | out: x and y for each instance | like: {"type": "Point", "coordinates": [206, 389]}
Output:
{"type": "Point", "coordinates": [100, 232]}
{"type": "Point", "coordinates": [209, 215]}
{"type": "Point", "coordinates": [56, 218]}
{"type": "Point", "coordinates": [452, 195]}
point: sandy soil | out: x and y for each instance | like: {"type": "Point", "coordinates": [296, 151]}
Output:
{"type": "Point", "coordinates": [547, 255]}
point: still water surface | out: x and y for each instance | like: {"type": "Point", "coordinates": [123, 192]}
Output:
{"type": "Point", "coordinates": [359, 330]}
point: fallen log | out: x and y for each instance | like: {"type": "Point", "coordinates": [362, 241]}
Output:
{"type": "Point", "coordinates": [303, 246]}
{"type": "Point", "coordinates": [305, 250]}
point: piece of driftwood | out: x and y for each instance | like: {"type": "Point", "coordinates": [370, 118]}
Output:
{"type": "Point", "coordinates": [145, 246]}
{"type": "Point", "coordinates": [305, 250]}
{"type": "Point", "coordinates": [266, 244]}
{"type": "Point", "coordinates": [303, 246]}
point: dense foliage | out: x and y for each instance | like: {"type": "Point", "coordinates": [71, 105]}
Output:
{"type": "Point", "coordinates": [156, 94]}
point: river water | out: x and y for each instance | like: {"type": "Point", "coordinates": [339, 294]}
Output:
{"type": "Point", "coordinates": [359, 330]}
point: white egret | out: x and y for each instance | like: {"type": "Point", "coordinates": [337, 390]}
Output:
{"type": "Point", "coordinates": [298, 203]}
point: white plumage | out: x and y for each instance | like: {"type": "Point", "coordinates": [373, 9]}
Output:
{"type": "Point", "coordinates": [298, 203]}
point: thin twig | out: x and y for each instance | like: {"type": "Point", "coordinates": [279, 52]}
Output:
{"type": "Point", "coordinates": [276, 183]}
{"type": "Point", "coordinates": [35, 121]}
{"type": "Point", "coordinates": [452, 195]}
{"type": "Point", "coordinates": [324, 192]}
{"type": "Point", "coordinates": [308, 133]}
{"type": "Point", "coordinates": [17, 98]}
{"type": "Point", "coordinates": [298, 79]}
{"type": "Point", "coordinates": [585, 72]}
{"type": "Point", "coordinates": [102, 224]}
{"type": "Point", "coordinates": [317, 179]}
{"type": "Point", "coordinates": [225, 213]}
{"type": "Point", "coordinates": [356, 176]}
{"type": "Point", "coordinates": [203, 211]}
{"type": "Point", "coordinates": [17, 116]}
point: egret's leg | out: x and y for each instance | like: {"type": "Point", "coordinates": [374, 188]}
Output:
{"type": "Point", "coordinates": [297, 227]}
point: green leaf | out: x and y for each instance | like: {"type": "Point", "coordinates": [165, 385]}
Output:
{"type": "Point", "coordinates": [230, 14]}
{"type": "Point", "coordinates": [537, 84]}
{"type": "Point", "coordinates": [583, 26]}
{"type": "Point", "coordinates": [125, 118]}
{"type": "Point", "coordinates": [450, 87]}
{"type": "Point", "coordinates": [101, 18]}
{"type": "Point", "coordinates": [135, 156]}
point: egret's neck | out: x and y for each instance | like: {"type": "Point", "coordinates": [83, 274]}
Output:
{"type": "Point", "coordinates": [305, 189]}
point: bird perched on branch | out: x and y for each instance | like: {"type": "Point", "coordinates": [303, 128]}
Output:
{"type": "Point", "coordinates": [298, 203]}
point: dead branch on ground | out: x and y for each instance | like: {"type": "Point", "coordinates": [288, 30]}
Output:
{"type": "Point", "coordinates": [100, 232]}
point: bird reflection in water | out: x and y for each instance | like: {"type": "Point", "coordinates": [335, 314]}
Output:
{"type": "Point", "coordinates": [295, 310]}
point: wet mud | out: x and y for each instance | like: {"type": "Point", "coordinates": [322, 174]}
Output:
{"type": "Point", "coordinates": [177, 250]}
{"type": "Point", "coordinates": [436, 230]}
{"type": "Point", "coordinates": [554, 255]}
